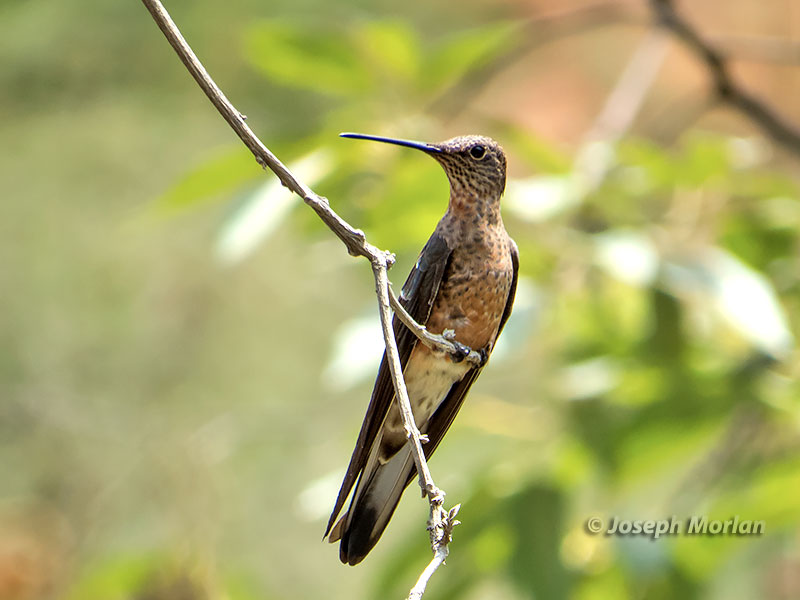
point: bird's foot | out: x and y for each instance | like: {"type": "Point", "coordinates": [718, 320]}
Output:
{"type": "Point", "coordinates": [461, 352]}
{"type": "Point", "coordinates": [484, 354]}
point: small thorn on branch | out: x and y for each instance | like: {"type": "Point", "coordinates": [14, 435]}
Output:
{"type": "Point", "coordinates": [440, 527]}
{"type": "Point", "coordinates": [453, 513]}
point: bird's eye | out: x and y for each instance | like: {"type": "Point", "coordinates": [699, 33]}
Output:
{"type": "Point", "coordinates": [477, 152]}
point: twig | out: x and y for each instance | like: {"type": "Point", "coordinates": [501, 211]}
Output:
{"type": "Point", "coordinates": [596, 155]}
{"type": "Point", "coordinates": [545, 28]}
{"type": "Point", "coordinates": [441, 522]}
{"type": "Point", "coordinates": [354, 239]}
{"type": "Point", "coordinates": [668, 122]}
{"type": "Point", "coordinates": [726, 88]}
{"type": "Point", "coordinates": [441, 527]}
{"type": "Point", "coordinates": [537, 31]}
{"type": "Point", "coordinates": [379, 270]}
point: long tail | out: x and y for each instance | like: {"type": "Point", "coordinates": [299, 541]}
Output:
{"type": "Point", "coordinates": [377, 494]}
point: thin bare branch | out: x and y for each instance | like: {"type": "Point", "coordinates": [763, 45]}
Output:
{"type": "Point", "coordinates": [596, 155]}
{"type": "Point", "coordinates": [726, 88]}
{"type": "Point", "coordinates": [533, 33]}
{"type": "Point", "coordinates": [544, 28]}
{"type": "Point", "coordinates": [419, 588]}
{"type": "Point", "coordinates": [440, 526]}
{"type": "Point", "coordinates": [379, 270]}
{"type": "Point", "coordinates": [441, 522]}
{"type": "Point", "coordinates": [354, 239]}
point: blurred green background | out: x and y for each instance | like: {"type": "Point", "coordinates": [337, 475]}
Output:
{"type": "Point", "coordinates": [186, 353]}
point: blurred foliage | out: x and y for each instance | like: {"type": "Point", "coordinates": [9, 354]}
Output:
{"type": "Point", "coordinates": [169, 434]}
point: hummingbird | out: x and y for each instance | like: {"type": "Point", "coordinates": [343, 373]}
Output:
{"type": "Point", "coordinates": [464, 280]}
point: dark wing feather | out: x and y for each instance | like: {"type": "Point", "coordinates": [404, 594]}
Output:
{"type": "Point", "coordinates": [417, 297]}
{"type": "Point", "coordinates": [513, 291]}
{"type": "Point", "coordinates": [441, 420]}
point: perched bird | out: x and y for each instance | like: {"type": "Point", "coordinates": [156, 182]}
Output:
{"type": "Point", "coordinates": [464, 280]}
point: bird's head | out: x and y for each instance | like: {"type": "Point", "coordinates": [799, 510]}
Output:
{"type": "Point", "coordinates": [475, 164]}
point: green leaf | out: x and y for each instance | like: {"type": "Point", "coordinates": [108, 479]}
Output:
{"type": "Point", "coordinates": [404, 209]}
{"type": "Point", "coordinates": [541, 155]}
{"type": "Point", "coordinates": [657, 167]}
{"type": "Point", "coordinates": [392, 47]}
{"type": "Point", "coordinates": [606, 585]}
{"type": "Point", "coordinates": [769, 496]}
{"type": "Point", "coordinates": [466, 50]}
{"type": "Point", "coordinates": [262, 212]}
{"type": "Point", "coordinates": [222, 174]}
{"type": "Point", "coordinates": [312, 59]}
{"type": "Point", "coordinates": [657, 450]}
{"type": "Point", "coordinates": [114, 579]}
{"type": "Point", "coordinates": [534, 564]}
{"type": "Point", "coordinates": [706, 158]}
{"type": "Point", "coordinates": [492, 547]}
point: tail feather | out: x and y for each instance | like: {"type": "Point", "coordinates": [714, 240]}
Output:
{"type": "Point", "coordinates": [376, 497]}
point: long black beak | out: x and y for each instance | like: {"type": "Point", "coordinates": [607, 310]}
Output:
{"type": "Point", "coordinates": [407, 143]}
